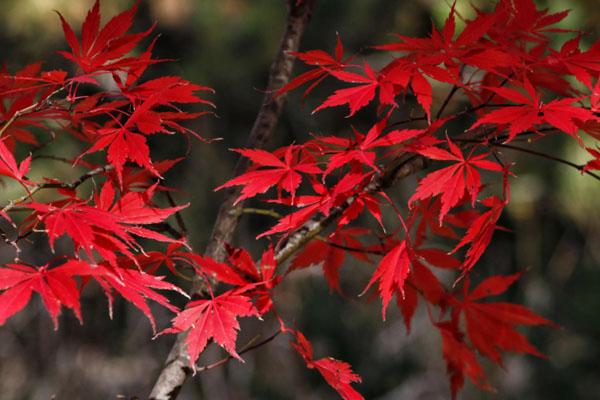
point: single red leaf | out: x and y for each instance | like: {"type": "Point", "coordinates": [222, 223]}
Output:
{"type": "Point", "coordinates": [338, 374]}
{"type": "Point", "coordinates": [215, 319]}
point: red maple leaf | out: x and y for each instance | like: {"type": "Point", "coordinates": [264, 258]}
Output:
{"type": "Point", "coordinates": [323, 63]}
{"type": "Point", "coordinates": [285, 174]}
{"type": "Point", "coordinates": [480, 232]}
{"type": "Point", "coordinates": [571, 60]}
{"type": "Point", "coordinates": [133, 285]}
{"type": "Point", "coordinates": [362, 149]}
{"type": "Point", "coordinates": [215, 319]}
{"type": "Point", "coordinates": [491, 325]}
{"type": "Point", "coordinates": [55, 286]}
{"type": "Point", "coordinates": [593, 164]}
{"type": "Point", "coordinates": [441, 47]}
{"type": "Point", "coordinates": [106, 48]}
{"type": "Point", "coordinates": [104, 227]}
{"type": "Point", "coordinates": [338, 374]}
{"type": "Point", "coordinates": [532, 111]}
{"type": "Point", "coordinates": [392, 271]}
{"type": "Point", "coordinates": [460, 359]}
{"type": "Point", "coordinates": [9, 167]}
{"type": "Point", "coordinates": [451, 182]}
{"type": "Point", "coordinates": [358, 97]}
{"type": "Point", "coordinates": [122, 140]}
{"type": "Point", "coordinates": [330, 254]}
{"type": "Point", "coordinates": [325, 199]}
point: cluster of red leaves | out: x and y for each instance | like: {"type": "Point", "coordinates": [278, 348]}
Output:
{"type": "Point", "coordinates": [502, 63]}
{"type": "Point", "coordinates": [106, 230]}
{"type": "Point", "coordinates": [515, 84]}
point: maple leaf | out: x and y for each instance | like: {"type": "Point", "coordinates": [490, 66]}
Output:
{"type": "Point", "coordinates": [559, 113]}
{"type": "Point", "coordinates": [215, 319]}
{"type": "Point", "coordinates": [593, 164]}
{"type": "Point", "coordinates": [103, 49]}
{"type": "Point", "coordinates": [441, 47]}
{"type": "Point", "coordinates": [330, 254]}
{"type": "Point", "coordinates": [262, 280]}
{"type": "Point", "coordinates": [55, 286]}
{"type": "Point", "coordinates": [583, 65]}
{"type": "Point", "coordinates": [285, 174]}
{"type": "Point", "coordinates": [26, 90]}
{"type": "Point", "coordinates": [122, 140]}
{"type": "Point", "coordinates": [9, 167]}
{"type": "Point", "coordinates": [451, 182]}
{"type": "Point", "coordinates": [392, 271]}
{"type": "Point", "coordinates": [323, 202]}
{"type": "Point", "coordinates": [420, 281]}
{"type": "Point", "coordinates": [361, 202]}
{"type": "Point", "coordinates": [427, 211]}
{"type": "Point", "coordinates": [324, 63]}
{"type": "Point", "coordinates": [358, 97]}
{"type": "Point", "coordinates": [480, 232]}
{"type": "Point", "coordinates": [106, 227]}
{"type": "Point", "coordinates": [460, 359]}
{"type": "Point", "coordinates": [521, 21]}
{"type": "Point", "coordinates": [404, 72]}
{"type": "Point", "coordinates": [133, 285]}
{"type": "Point", "coordinates": [338, 374]}
{"type": "Point", "coordinates": [362, 148]}
{"type": "Point", "coordinates": [491, 325]}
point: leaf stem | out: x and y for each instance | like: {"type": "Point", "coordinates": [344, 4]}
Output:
{"type": "Point", "coordinates": [251, 345]}
{"type": "Point", "coordinates": [27, 110]}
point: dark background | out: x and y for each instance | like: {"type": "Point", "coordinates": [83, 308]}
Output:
{"type": "Point", "coordinates": [228, 45]}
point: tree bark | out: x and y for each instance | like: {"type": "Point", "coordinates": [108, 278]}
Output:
{"type": "Point", "coordinates": [177, 366]}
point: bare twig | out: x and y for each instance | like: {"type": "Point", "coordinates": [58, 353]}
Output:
{"type": "Point", "coordinates": [580, 168]}
{"type": "Point", "coordinates": [57, 185]}
{"type": "Point", "coordinates": [248, 347]}
{"type": "Point", "coordinates": [261, 211]}
{"type": "Point", "coordinates": [446, 101]}
{"type": "Point", "coordinates": [28, 110]}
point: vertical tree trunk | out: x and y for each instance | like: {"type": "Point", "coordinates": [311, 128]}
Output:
{"type": "Point", "coordinates": [177, 368]}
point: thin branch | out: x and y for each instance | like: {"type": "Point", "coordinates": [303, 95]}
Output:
{"type": "Point", "coordinates": [10, 242]}
{"type": "Point", "coordinates": [396, 171]}
{"type": "Point", "coordinates": [579, 167]}
{"type": "Point", "coordinates": [446, 101]}
{"type": "Point", "coordinates": [408, 121]}
{"type": "Point", "coordinates": [168, 228]}
{"type": "Point", "coordinates": [248, 347]}
{"type": "Point", "coordinates": [349, 248]}
{"type": "Point", "coordinates": [52, 185]}
{"type": "Point", "coordinates": [51, 157]}
{"type": "Point", "coordinates": [28, 110]}
{"type": "Point", "coordinates": [261, 211]}
{"type": "Point", "coordinates": [548, 157]}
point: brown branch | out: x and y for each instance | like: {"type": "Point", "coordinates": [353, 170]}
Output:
{"type": "Point", "coordinates": [176, 368]}
{"type": "Point", "coordinates": [396, 171]}
{"type": "Point", "coordinates": [446, 101]}
{"type": "Point", "coordinates": [261, 211]}
{"type": "Point", "coordinates": [29, 109]}
{"type": "Point", "coordinates": [350, 248]}
{"type": "Point", "coordinates": [580, 168]}
{"type": "Point", "coordinates": [248, 347]}
{"type": "Point", "coordinates": [57, 185]}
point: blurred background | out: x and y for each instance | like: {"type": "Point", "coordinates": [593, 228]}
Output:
{"type": "Point", "coordinates": [228, 45]}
